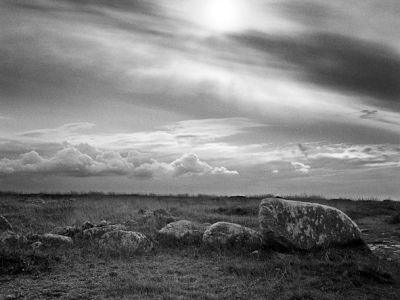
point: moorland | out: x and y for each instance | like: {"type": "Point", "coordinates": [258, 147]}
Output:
{"type": "Point", "coordinates": [194, 271]}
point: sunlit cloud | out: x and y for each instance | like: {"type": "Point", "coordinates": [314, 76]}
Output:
{"type": "Point", "coordinates": [263, 90]}
{"type": "Point", "coordinates": [303, 168]}
{"type": "Point", "coordinates": [72, 161]}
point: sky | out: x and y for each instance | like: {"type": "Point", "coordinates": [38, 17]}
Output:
{"type": "Point", "coordinates": [201, 96]}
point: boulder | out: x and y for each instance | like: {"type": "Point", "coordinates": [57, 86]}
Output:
{"type": "Point", "coordinates": [4, 224]}
{"type": "Point", "coordinates": [182, 231]}
{"type": "Point", "coordinates": [50, 240]}
{"type": "Point", "coordinates": [97, 232]}
{"type": "Point", "coordinates": [300, 225]}
{"type": "Point", "coordinates": [125, 242]}
{"type": "Point", "coordinates": [230, 235]}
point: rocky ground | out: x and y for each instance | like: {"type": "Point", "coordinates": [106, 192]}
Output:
{"type": "Point", "coordinates": [382, 237]}
{"type": "Point", "coordinates": [190, 270]}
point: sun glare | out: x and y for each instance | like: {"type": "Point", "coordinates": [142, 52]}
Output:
{"type": "Point", "coordinates": [222, 15]}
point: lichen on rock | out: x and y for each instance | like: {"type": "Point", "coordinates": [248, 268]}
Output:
{"type": "Point", "coordinates": [230, 235]}
{"type": "Point", "coordinates": [182, 231]}
{"type": "Point", "coordinates": [302, 225]}
{"type": "Point", "coordinates": [125, 242]}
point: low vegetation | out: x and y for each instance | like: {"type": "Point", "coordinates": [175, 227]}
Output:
{"type": "Point", "coordinates": [190, 271]}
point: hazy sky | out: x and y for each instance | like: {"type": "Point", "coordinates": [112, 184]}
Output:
{"type": "Point", "coordinates": [201, 96]}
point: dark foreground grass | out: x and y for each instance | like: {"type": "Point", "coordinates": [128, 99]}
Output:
{"type": "Point", "coordinates": [185, 272]}
{"type": "Point", "coordinates": [198, 273]}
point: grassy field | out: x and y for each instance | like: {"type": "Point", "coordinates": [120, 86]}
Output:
{"type": "Point", "coordinates": [195, 272]}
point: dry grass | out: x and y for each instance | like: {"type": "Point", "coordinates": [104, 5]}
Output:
{"type": "Point", "coordinates": [189, 272]}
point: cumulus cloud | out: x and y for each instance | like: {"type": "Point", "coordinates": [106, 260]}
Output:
{"type": "Point", "coordinates": [191, 164]}
{"type": "Point", "coordinates": [300, 167]}
{"type": "Point", "coordinates": [205, 137]}
{"type": "Point", "coordinates": [84, 160]}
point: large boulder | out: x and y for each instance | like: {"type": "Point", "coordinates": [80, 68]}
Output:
{"type": "Point", "coordinates": [98, 231]}
{"type": "Point", "coordinates": [50, 240]}
{"type": "Point", "coordinates": [300, 225]}
{"type": "Point", "coordinates": [4, 224]}
{"type": "Point", "coordinates": [183, 231]}
{"type": "Point", "coordinates": [230, 235]}
{"type": "Point", "coordinates": [125, 242]}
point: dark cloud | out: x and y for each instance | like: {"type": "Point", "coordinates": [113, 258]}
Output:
{"type": "Point", "coordinates": [336, 61]}
{"type": "Point", "coordinates": [303, 149]}
{"type": "Point", "coordinates": [140, 6]}
{"type": "Point", "coordinates": [308, 12]}
{"type": "Point", "coordinates": [368, 114]}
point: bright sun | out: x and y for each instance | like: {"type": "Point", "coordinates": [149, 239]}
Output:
{"type": "Point", "coordinates": [222, 15]}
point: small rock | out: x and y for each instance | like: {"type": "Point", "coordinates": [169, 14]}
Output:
{"type": "Point", "coordinates": [97, 232]}
{"type": "Point", "coordinates": [4, 224]}
{"type": "Point", "coordinates": [37, 201]}
{"type": "Point", "coordinates": [87, 225]}
{"type": "Point", "coordinates": [70, 231]}
{"type": "Point", "coordinates": [230, 235]}
{"type": "Point", "coordinates": [55, 240]}
{"type": "Point", "coordinates": [125, 242]}
{"type": "Point", "coordinates": [182, 231]}
{"type": "Point", "coordinates": [36, 245]}
{"type": "Point", "coordinates": [103, 223]}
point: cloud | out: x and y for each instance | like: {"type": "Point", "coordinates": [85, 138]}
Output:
{"type": "Point", "coordinates": [300, 167]}
{"type": "Point", "coordinates": [84, 161]}
{"type": "Point", "coordinates": [303, 149]}
{"type": "Point", "coordinates": [327, 159]}
{"type": "Point", "coordinates": [342, 16]}
{"type": "Point", "coordinates": [191, 164]}
{"type": "Point", "coordinates": [169, 140]}
{"type": "Point", "coordinates": [368, 114]}
{"type": "Point", "coordinates": [93, 6]}
{"type": "Point", "coordinates": [64, 130]}
{"type": "Point", "coordinates": [385, 117]}
{"type": "Point", "coordinates": [348, 157]}
{"type": "Point", "coordinates": [336, 61]}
